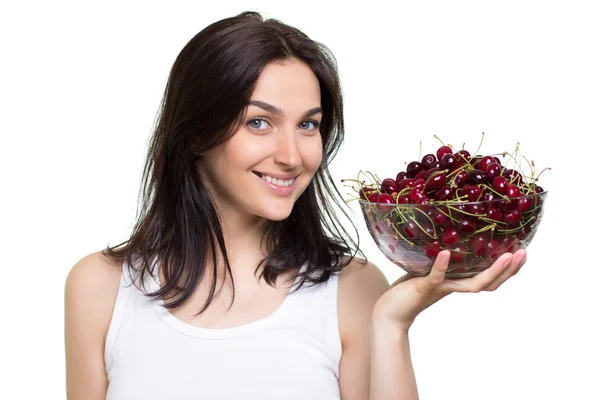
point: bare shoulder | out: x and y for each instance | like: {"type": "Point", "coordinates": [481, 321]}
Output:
{"type": "Point", "coordinates": [93, 275]}
{"type": "Point", "coordinates": [91, 290]}
{"type": "Point", "coordinates": [362, 278]}
{"type": "Point", "coordinates": [361, 284]}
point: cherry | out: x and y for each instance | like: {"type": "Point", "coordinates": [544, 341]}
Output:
{"type": "Point", "coordinates": [499, 184]}
{"type": "Point", "coordinates": [479, 245]}
{"type": "Point", "coordinates": [458, 253]}
{"type": "Point", "coordinates": [512, 217]}
{"type": "Point", "coordinates": [467, 226]}
{"type": "Point", "coordinates": [450, 236]}
{"type": "Point", "coordinates": [404, 183]}
{"type": "Point", "coordinates": [465, 154]}
{"type": "Point", "coordinates": [493, 251]}
{"type": "Point", "coordinates": [476, 176]}
{"type": "Point", "coordinates": [494, 213]}
{"type": "Point", "coordinates": [448, 162]}
{"type": "Point", "coordinates": [440, 219]}
{"type": "Point", "coordinates": [475, 208]}
{"type": "Point", "coordinates": [442, 151]}
{"type": "Point", "coordinates": [428, 161]}
{"type": "Point", "coordinates": [432, 249]}
{"type": "Point", "coordinates": [416, 195]}
{"type": "Point", "coordinates": [512, 191]}
{"type": "Point", "coordinates": [418, 184]}
{"type": "Point", "coordinates": [403, 199]}
{"type": "Point", "coordinates": [539, 189]}
{"type": "Point", "coordinates": [389, 185]}
{"type": "Point", "coordinates": [374, 198]}
{"type": "Point", "coordinates": [413, 168]}
{"type": "Point", "coordinates": [484, 162]}
{"type": "Point", "coordinates": [493, 170]}
{"type": "Point", "coordinates": [461, 178]}
{"type": "Point", "coordinates": [471, 191]}
{"type": "Point", "coordinates": [436, 181]}
{"type": "Point", "coordinates": [422, 174]}
{"type": "Point", "coordinates": [401, 175]}
{"type": "Point", "coordinates": [443, 194]}
{"type": "Point", "coordinates": [524, 204]}
{"type": "Point", "coordinates": [411, 230]}
{"type": "Point", "coordinates": [365, 192]}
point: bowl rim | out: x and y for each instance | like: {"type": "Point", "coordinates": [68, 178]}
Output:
{"type": "Point", "coordinates": [452, 203]}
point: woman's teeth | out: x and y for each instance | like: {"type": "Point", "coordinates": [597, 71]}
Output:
{"type": "Point", "coordinates": [278, 182]}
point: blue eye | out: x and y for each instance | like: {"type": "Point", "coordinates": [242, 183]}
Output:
{"type": "Point", "coordinates": [315, 125]}
{"type": "Point", "coordinates": [257, 123]}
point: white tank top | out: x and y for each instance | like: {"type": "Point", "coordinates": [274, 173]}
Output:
{"type": "Point", "coordinates": [294, 353]}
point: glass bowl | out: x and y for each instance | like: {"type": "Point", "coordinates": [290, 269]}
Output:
{"type": "Point", "coordinates": [476, 233]}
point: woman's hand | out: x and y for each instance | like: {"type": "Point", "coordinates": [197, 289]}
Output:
{"type": "Point", "coordinates": [410, 295]}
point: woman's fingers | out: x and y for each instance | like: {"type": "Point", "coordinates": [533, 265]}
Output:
{"type": "Point", "coordinates": [437, 274]}
{"type": "Point", "coordinates": [517, 262]}
{"type": "Point", "coordinates": [482, 280]}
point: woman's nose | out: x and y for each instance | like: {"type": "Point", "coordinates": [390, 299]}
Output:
{"type": "Point", "coordinates": [286, 149]}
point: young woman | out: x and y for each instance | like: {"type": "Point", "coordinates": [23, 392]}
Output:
{"type": "Point", "coordinates": [237, 281]}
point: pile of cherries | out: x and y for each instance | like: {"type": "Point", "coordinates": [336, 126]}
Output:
{"type": "Point", "coordinates": [471, 205]}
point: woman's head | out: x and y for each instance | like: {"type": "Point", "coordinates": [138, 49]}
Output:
{"type": "Point", "coordinates": [275, 151]}
{"type": "Point", "coordinates": [209, 144]}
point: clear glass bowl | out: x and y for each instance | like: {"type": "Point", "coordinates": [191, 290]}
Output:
{"type": "Point", "coordinates": [476, 233]}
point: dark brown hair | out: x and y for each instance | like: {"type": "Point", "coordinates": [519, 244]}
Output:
{"type": "Point", "coordinates": [209, 86]}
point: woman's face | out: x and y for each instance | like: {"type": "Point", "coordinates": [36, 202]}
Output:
{"type": "Point", "coordinates": [268, 163]}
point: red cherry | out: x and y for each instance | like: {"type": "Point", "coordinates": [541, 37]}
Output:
{"type": "Point", "coordinates": [472, 191]}
{"type": "Point", "coordinates": [479, 244]}
{"type": "Point", "coordinates": [458, 253]}
{"type": "Point", "coordinates": [524, 204]}
{"type": "Point", "coordinates": [418, 184]}
{"type": "Point", "coordinates": [467, 226]}
{"type": "Point", "coordinates": [484, 162]}
{"type": "Point", "coordinates": [413, 168]}
{"type": "Point", "coordinates": [475, 208]}
{"type": "Point", "coordinates": [416, 195]}
{"type": "Point", "coordinates": [404, 183]}
{"type": "Point", "coordinates": [428, 161]}
{"type": "Point", "coordinates": [449, 162]}
{"type": "Point", "coordinates": [499, 184]}
{"type": "Point", "coordinates": [512, 217]}
{"type": "Point", "coordinates": [476, 176]}
{"type": "Point", "coordinates": [389, 185]}
{"type": "Point", "coordinates": [435, 182]}
{"type": "Point", "coordinates": [512, 191]}
{"type": "Point", "coordinates": [365, 192]}
{"type": "Point", "coordinates": [403, 199]}
{"type": "Point", "coordinates": [444, 193]}
{"type": "Point", "coordinates": [442, 151]}
{"type": "Point", "coordinates": [492, 250]}
{"type": "Point", "coordinates": [440, 219]}
{"type": "Point", "coordinates": [461, 178]}
{"type": "Point", "coordinates": [432, 249]}
{"type": "Point", "coordinates": [494, 213]}
{"type": "Point", "coordinates": [374, 198]}
{"type": "Point", "coordinates": [410, 230]}
{"type": "Point", "coordinates": [450, 236]}
{"type": "Point", "coordinates": [401, 175]}
{"type": "Point", "coordinates": [493, 170]}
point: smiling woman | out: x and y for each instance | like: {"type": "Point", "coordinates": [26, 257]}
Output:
{"type": "Point", "coordinates": [238, 281]}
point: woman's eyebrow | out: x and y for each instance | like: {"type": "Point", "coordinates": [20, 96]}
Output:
{"type": "Point", "coordinates": [279, 111]}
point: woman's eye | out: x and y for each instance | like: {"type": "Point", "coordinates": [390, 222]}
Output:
{"type": "Point", "coordinates": [309, 125]}
{"type": "Point", "coordinates": [257, 123]}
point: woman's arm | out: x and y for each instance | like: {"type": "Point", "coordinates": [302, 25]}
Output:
{"type": "Point", "coordinates": [392, 374]}
{"type": "Point", "coordinates": [90, 293]}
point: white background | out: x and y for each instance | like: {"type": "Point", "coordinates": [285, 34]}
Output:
{"type": "Point", "coordinates": [80, 85]}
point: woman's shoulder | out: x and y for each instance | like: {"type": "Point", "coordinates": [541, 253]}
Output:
{"type": "Point", "coordinates": [91, 290]}
{"type": "Point", "coordinates": [360, 285]}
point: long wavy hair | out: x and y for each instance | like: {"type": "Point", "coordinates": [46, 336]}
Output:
{"type": "Point", "coordinates": [209, 87]}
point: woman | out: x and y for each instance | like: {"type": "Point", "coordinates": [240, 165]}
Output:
{"type": "Point", "coordinates": [237, 282]}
